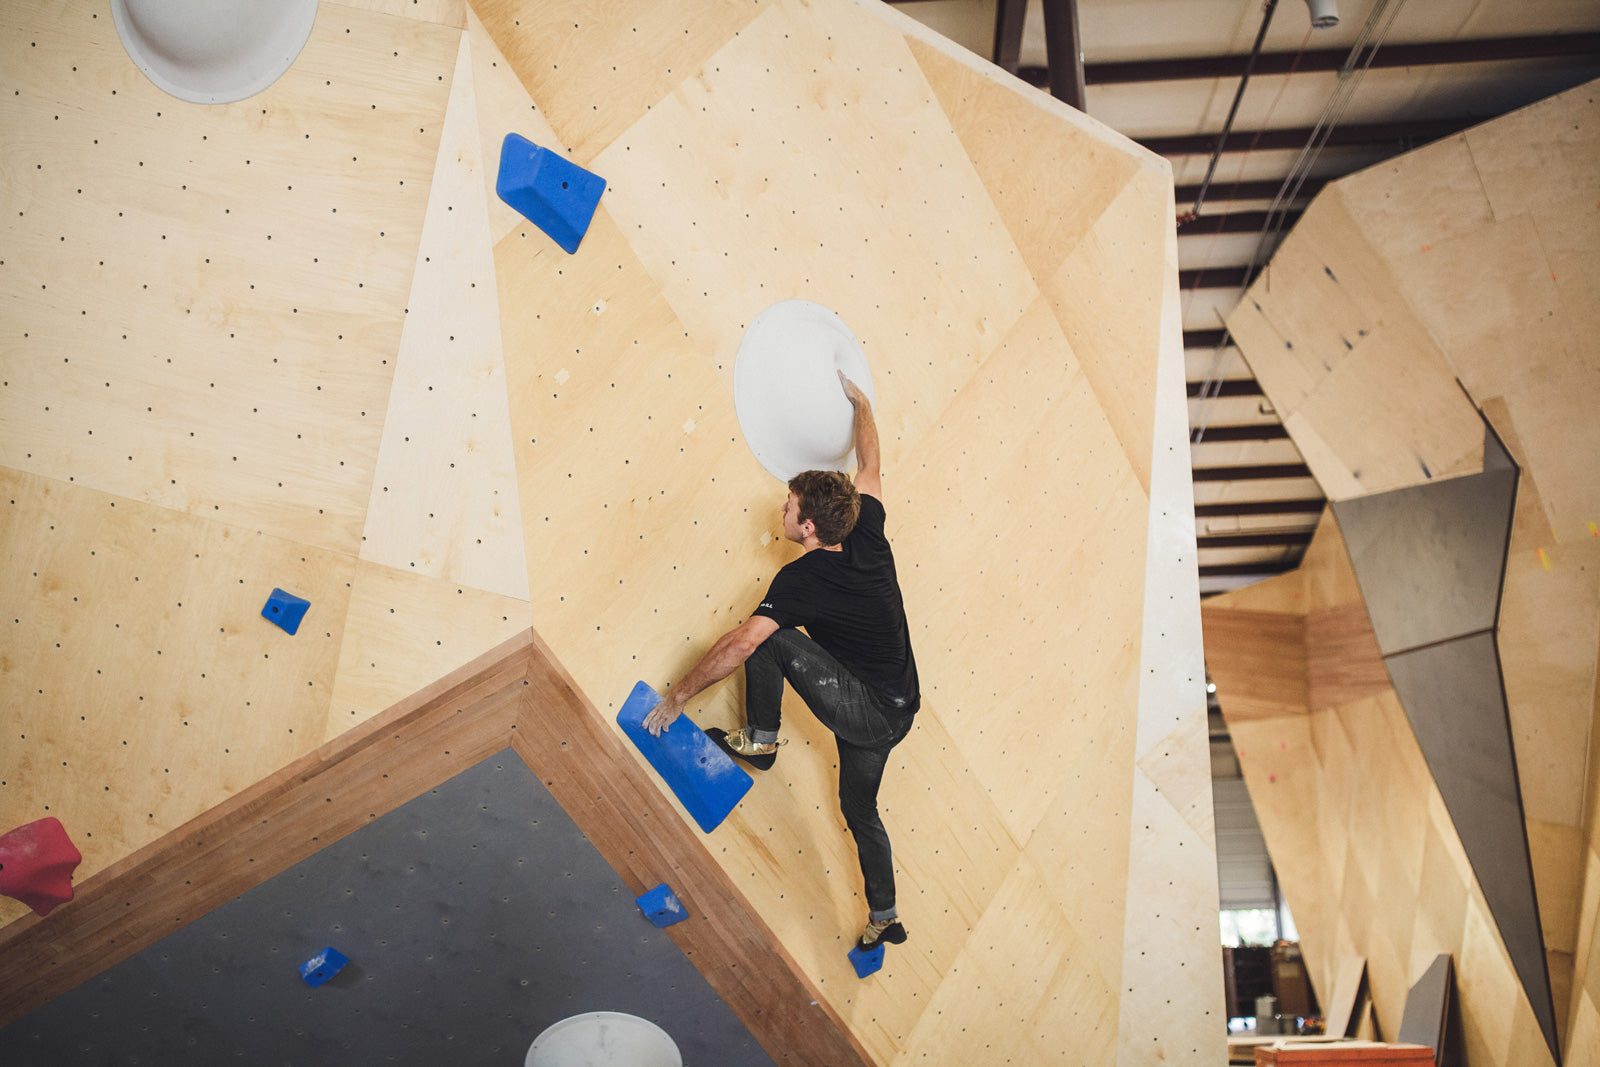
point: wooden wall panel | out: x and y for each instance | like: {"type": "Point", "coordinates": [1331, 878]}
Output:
{"type": "Point", "coordinates": [443, 499]}
{"type": "Point", "coordinates": [1170, 895]}
{"type": "Point", "coordinates": [1076, 632]}
{"type": "Point", "coordinates": [1046, 167]}
{"type": "Point", "coordinates": [568, 54]}
{"type": "Point", "coordinates": [139, 684]}
{"type": "Point", "coordinates": [206, 301]}
{"type": "Point", "coordinates": [1343, 662]}
{"type": "Point", "coordinates": [1111, 313]}
{"type": "Point", "coordinates": [1257, 659]}
{"type": "Point", "coordinates": [1051, 1009]}
{"type": "Point", "coordinates": [863, 155]}
{"type": "Point", "coordinates": [403, 631]}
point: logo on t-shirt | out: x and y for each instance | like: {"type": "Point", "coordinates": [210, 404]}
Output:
{"type": "Point", "coordinates": [767, 604]}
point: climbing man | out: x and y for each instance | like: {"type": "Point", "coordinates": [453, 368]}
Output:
{"type": "Point", "coordinates": [852, 666]}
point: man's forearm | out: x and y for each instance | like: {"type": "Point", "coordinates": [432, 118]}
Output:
{"type": "Point", "coordinates": [866, 429]}
{"type": "Point", "coordinates": [719, 661]}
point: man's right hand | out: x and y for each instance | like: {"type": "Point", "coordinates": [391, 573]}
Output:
{"type": "Point", "coordinates": [662, 715]}
{"type": "Point", "coordinates": [853, 392]}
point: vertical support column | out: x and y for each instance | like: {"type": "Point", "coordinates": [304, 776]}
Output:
{"type": "Point", "coordinates": [1064, 51]}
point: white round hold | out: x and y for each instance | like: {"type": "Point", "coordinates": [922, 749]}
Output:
{"type": "Point", "coordinates": [786, 391]}
{"type": "Point", "coordinates": [604, 1039]}
{"type": "Point", "coordinates": [213, 51]}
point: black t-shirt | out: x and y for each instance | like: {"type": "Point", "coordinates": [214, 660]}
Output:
{"type": "Point", "coordinates": [849, 602]}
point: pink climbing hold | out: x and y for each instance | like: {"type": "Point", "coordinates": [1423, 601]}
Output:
{"type": "Point", "coordinates": [36, 864]}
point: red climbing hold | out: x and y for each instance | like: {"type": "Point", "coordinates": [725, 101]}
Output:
{"type": "Point", "coordinates": [36, 864]}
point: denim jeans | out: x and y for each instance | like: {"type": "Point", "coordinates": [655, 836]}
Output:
{"type": "Point", "coordinates": [863, 730]}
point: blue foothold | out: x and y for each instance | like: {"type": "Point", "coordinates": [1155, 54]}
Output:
{"type": "Point", "coordinates": [551, 191]}
{"type": "Point", "coordinates": [323, 966]}
{"type": "Point", "coordinates": [866, 962]}
{"type": "Point", "coordinates": [662, 907]}
{"type": "Point", "coordinates": [285, 609]}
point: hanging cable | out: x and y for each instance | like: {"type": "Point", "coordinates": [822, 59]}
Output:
{"type": "Point", "coordinates": [1222, 138]}
{"type": "Point", "coordinates": [1359, 60]}
{"type": "Point", "coordinates": [1221, 358]}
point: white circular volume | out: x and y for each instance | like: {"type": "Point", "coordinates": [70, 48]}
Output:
{"type": "Point", "coordinates": [213, 51]}
{"type": "Point", "coordinates": [791, 406]}
{"type": "Point", "coordinates": [604, 1039]}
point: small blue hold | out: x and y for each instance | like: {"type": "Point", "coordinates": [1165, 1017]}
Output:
{"type": "Point", "coordinates": [285, 609]}
{"type": "Point", "coordinates": [866, 961]}
{"type": "Point", "coordinates": [551, 191]}
{"type": "Point", "coordinates": [662, 907]}
{"type": "Point", "coordinates": [323, 966]}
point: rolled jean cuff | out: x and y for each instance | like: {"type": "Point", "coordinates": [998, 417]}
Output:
{"type": "Point", "coordinates": [762, 737]}
{"type": "Point", "coordinates": [880, 914]}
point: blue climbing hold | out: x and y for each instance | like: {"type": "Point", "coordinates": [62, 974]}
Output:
{"type": "Point", "coordinates": [285, 609]}
{"type": "Point", "coordinates": [866, 961]}
{"type": "Point", "coordinates": [323, 966]}
{"type": "Point", "coordinates": [661, 906]}
{"type": "Point", "coordinates": [706, 780]}
{"type": "Point", "coordinates": [551, 191]}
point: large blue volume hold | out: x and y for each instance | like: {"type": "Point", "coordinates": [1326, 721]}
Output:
{"type": "Point", "coordinates": [551, 191]}
{"type": "Point", "coordinates": [707, 782]}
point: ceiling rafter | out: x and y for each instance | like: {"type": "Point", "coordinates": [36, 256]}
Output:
{"type": "Point", "coordinates": [1227, 387]}
{"type": "Point", "coordinates": [1227, 509]}
{"type": "Point", "coordinates": [1251, 472]}
{"type": "Point", "coordinates": [1399, 135]}
{"type": "Point", "coordinates": [1256, 190]}
{"type": "Point", "coordinates": [1426, 53]}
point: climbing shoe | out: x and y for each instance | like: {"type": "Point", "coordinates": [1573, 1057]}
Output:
{"type": "Point", "coordinates": [879, 931]}
{"type": "Point", "coordinates": [739, 745]}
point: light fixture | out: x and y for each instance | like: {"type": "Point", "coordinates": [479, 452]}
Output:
{"type": "Point", "coordinates": [1324, 13]}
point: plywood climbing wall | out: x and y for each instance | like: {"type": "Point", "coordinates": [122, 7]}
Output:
{"type": "Point", "coordinates": [1458, 277]}
{"type": "Point", "coordinates": [832, 153]}
{"type": "Point", "coordinates": [388, 393]}
{"type": "Point", "coordinates": [218, 380]}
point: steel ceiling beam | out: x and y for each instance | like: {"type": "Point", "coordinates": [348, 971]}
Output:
{"type": "Point", "coordinates": [1228, 387]}
{"type": "Point", "coordinates": [1063, 50]}
{"type": "Point", "coordinates": [1251, 472]}
{"type": "Point", "coordinates": [1214, 278]}
{"type": "Point", "coordinates": [1228, 570]}
{"type": "Point", "coordinates": [1258, 190]}
{"type": "Point", "coordinates": [1203, 338]}
{"type": "Point", "coordinates": [1254, 540]}
{"type": "Point", "coordinates": [1402, 135]}
{"type": "Point", "coordinates": [1430, 53]}
{"type": "Point", "coordinates": [1266, 431]}
{"type": "Point", "coordinates": [1235, 508]}
{"type": "Point", "coordinates": [1235, 222]}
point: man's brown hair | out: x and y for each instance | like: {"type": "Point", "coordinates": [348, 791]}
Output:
{"type": "Point", "coordinates": [829, 500]}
